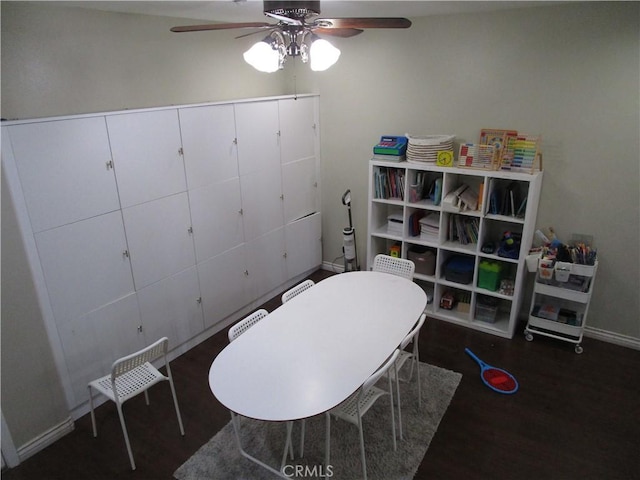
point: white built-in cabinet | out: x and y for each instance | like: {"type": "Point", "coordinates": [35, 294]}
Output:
{"type": "Point", "coordinates": [162, 222]}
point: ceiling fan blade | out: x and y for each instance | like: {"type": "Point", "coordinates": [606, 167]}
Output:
{"type": "Point", "coordinates": [338, 32]}
{"type": "Point", "coordinates": [370, 22]}
{"type": "Point", "coordinates": [283, 19]}
{"type": "Point", "coordinates": [219, 26]}
{"type": "Point", "coordinates": [262, 30]}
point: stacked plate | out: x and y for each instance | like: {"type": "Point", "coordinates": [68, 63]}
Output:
{"type": "Point", "coordinates": [425, 148]}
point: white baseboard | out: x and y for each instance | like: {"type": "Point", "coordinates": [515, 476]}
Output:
{"type": "Point", "coordinates": [45, 439]}
{"type": "Point", "coordinates": [612, 337]}
{"type": "Point", "coordinates": [332, 267]}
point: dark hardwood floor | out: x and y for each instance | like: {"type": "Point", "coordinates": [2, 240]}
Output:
{"type": "Point", "coordinates": [574, 417]}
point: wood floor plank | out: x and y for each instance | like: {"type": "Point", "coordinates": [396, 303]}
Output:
{"type": "Point", "coordinates": [574, 416]}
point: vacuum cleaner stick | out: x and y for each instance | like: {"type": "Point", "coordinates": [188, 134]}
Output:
{"type": "Point", "coordinates": [349, 238]}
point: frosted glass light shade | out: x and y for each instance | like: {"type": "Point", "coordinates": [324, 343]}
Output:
{"type": "Point", "coordinates": [263, 57]}
{"type": "Point", "coordinates": [322, 55]}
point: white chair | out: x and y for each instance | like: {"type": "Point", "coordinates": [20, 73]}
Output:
{"type": "Point", "coordinates": [412, 355]}
{"type": "Point", "coordinates": [286, 296]}
{"type": "Point", "coordinates": [130, 376]}
{"type": "Point", "coordinates": [237, 330]}
{"type": "Point", "coordinates": [394, 265]}
{"type": "Point", "coordinates": [354, 407]}
{"type": "Point", "coordinates": [246, 323]}
{"type": "Point", "coordinates": [403, 357]}
{"type": "Point", "coordinates": [298, 289]}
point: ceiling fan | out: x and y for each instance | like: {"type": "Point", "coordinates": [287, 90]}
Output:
{"type": "Point", "coordinates": [296, 34]}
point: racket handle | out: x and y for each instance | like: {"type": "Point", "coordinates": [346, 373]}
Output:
{"type": "Point", "coordinates": [472, 355]}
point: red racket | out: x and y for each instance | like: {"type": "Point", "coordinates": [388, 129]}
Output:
{"type": "Point", "coordinates": [496, 379]}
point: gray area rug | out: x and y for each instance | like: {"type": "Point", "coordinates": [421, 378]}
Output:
{"type": "Point", "coordinates": [220, 459]}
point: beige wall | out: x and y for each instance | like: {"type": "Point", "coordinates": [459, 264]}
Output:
{"type": "Point", "coordinates": [569, 72]}
{"type": "Point", "coordinates": [58, 61]}
{"type": "Point", "coordinates": [28, 370]}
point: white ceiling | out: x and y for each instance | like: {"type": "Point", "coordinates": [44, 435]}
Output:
{"type": "Point", "coordinates": [251, 10]}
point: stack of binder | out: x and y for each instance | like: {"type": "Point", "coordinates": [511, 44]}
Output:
{"type": "Point", "coordinates": [395, 225]}
{"type": "Point", "coordinates": [430, 226]}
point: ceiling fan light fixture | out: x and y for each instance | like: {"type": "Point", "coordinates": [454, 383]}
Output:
{"type": "Point", "coordinates": [322, 54]}
{"type": "Point", "coordinates": [265, 55]}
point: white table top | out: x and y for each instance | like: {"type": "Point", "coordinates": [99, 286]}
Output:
{"type": "Point", "coordinates": [311, 353]}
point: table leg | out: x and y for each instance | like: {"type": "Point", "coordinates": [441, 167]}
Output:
{"type": "Point", "coordinates": [235, 421]}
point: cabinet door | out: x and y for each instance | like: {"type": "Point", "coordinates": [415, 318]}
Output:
{"type": "Point", "coordinates": [300, 189]}
{"type": "Point", "coordinates": [257, 128]}
{"type": "Point", "coordinates": [297, 129]}
{"type": "Point", "coordinates": [266, 263]}
{"type": "Point", "coordinates": [224, 285]}
{"type": "Point", "coordinates": [84, 265]}
{"type": "Point", "coordinates": [209, 142]}
{"type": "Point", "coordinates": [159, 237]}
{"type": "Point", "coordinates": [261, 202]}
{"type": "Point", "coordinates": [146, 150]}
{"type": "Point", "coordinates": [171, 308]}
{"type": "Point", "coordinates": [64, 170]}
{"type": "Point", "coordinates": [92, 342]}
{"type": "Point", "coordinates": [217, 218]}
{"type": "Point", "coordinates": [304, 245]}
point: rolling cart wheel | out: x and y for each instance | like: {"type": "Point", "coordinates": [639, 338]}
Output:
{"type": "Point", "coordinates": [579, 349]}
{"type": "Point", "coordinates": [528, 336]}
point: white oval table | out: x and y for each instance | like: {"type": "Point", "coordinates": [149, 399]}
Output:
{"type": "Point", "coordinates": [313, 352]}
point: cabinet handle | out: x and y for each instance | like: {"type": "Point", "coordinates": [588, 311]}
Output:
{"type": "Point", "coordinates": [180, 151]}
{"type": "Point", "coordinates": [284, 255]}
{"type": "Point", "coordinates": [282, 196]}
{"type": "Point", "coordinates": [140, 328]}
{"type": "Point", "coordinates": [125, 253]}
{"type": "Point", "coordinates": [235, 141]}
{"type": "Point", "coordinates": [199, 300]}
{"type": "Point", "coordinates": [246, 273]}
{"type": "Point", "coordinates": [241, 211]}
{"type": "Point", "coordinates": [190, 230]}
{"type": "Point", "coordinates": [109, 164]}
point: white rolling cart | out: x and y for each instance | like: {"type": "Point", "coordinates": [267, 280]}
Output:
{"type": "Point", "coordinates": [560, 301]}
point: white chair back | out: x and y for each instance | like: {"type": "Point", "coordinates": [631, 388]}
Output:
{"type": "Point", "coordinates": [297, 290]}
{"type": "Point", "coordinates": [246, 323]}
{"type": "Point", "coordinates": [394, 265]}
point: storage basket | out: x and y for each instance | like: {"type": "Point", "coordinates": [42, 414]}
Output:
{"type": "Point", "coordinates": [424, 260]}
{"type": "Point", "coordinates": [459, 269]}
{"type": "Point", "coordinates": [487, 310]}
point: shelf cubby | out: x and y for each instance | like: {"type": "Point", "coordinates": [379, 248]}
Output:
{"type": "Point", "coordinates": [426, 187]}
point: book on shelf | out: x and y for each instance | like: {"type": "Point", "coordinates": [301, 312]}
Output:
{"type": "Point", "coordinates": [463, 230]}
{"type": "Point", "coordinates": [430, 226]}
{"type": "Point", "coordinates": [507, 200]}
{"type": "Point", "coordinates": [548, 311]}
{"type": "Point", "coordinates": [464, 198]}
{"type": "Point", "coordinates": [414, 223]}
{"type": "Point", "coordinates": [388, 158]}
{"type": "Point", "coordinates": [388, 183]}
